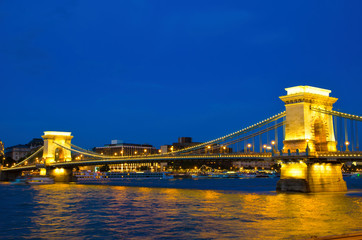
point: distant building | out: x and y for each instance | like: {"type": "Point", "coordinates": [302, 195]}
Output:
{"type": "Point", "coordinates": [250, 164]}
{"type": "Point", "coordinates": [17, 152]}
{"type": "Point", "coordinates": [1, 148]}
{"type": "Point", "coordinates": [186, 142]}
{"type": "Point", "coordinates": [118, 148]}
{"type": "Point", "coordinates": [183, 142]}
{"type": "Point", "coordinates": [36, 143]}
{"type": "Point", "coordinates": [20, 151]}
{"type": "Point", "coordinates": [166, 148]}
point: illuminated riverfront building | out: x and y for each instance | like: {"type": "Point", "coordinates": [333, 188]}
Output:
{"type": "Point", "coordinates": [118, 148]}
{"type": "Point", "coordinates": [20, 151]}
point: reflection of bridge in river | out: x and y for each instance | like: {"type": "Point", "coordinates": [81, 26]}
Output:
{"type": "Point", "coordinates": [315, 142]}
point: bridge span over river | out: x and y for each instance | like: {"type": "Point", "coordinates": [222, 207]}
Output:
{"type": "Point", "coordinates": [309, 139]}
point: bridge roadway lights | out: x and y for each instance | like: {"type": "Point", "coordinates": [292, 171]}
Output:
{"type": "Point", "coordinates": [311, 177]}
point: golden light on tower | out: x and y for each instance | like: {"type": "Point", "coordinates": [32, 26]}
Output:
{"type": "Point", "coordinates": [303, 123]}
{"type": "Point", "coordinates": [54, 141]}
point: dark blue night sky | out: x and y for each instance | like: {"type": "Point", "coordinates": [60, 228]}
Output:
{"type": "Point", "coordinates": [152, 71]}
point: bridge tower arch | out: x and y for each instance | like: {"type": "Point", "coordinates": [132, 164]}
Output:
{"type": "Point", "coordinates": [52, 151]}
{"type": "Point", "coordinates": [305, 126]}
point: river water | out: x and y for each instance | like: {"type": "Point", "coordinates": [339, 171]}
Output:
{"type": "Point", "coordinates": [211, 209]}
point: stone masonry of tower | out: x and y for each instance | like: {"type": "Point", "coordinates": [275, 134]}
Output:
{"type": "Point", "coordinates": [307, 127]}
{"type": "Point", "coordinates": [50, 146]}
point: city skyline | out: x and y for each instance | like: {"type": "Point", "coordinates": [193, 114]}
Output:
{"type": "Point", "coordinates": [150, 73]}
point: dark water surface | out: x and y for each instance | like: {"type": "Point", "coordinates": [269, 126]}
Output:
{"type": "Point", "coordinates": [245, 209]}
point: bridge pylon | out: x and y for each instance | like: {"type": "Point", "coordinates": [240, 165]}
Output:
{"type": "Point", "coordinates": [53, 152]}
{"type": "Point", "coordinates": [305, 127]}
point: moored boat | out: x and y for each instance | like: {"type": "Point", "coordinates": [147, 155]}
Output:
{"type": "Point", "coordinates": [105, 177]}
{"type": "Point", "coordinates": [39, 180]}
{"type": "Point", "coordinates": [229, 174]}
{"type": "Point", "coordinates": [356, 175]}
{"type": "Point", "coordinates": [19, 181]}
{"type": "Point", "coordinates": [263, 174]}
{"type": "Point", "coordinates": [33, 180]}
{"type": "Point", "coordinates": [247, 175]}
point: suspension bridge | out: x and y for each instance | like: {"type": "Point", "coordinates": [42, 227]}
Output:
{"type": "Point", "coordinates": [309, 139]}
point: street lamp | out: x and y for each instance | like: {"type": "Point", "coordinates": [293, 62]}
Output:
{"type": "Point", "coordinates": [347, 143]}
{"type": "Point", "coordinates": [249, 146]}
{"type": "Point", "coordinates": [307, 148]}
{"type": "Point", "coordinates": [273, 144]}
{"type": "Point", "coordinates": [264, 146]}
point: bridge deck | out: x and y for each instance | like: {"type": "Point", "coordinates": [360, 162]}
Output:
{"type": "Point", "coordinates": [332, 156]}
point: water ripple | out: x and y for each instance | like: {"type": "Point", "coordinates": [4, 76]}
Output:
{"type": "Point", "coordinates": [72, 211]}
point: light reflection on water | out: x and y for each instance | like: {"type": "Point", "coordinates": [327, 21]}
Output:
{"type": "Point", "coordinates": [62, 211]}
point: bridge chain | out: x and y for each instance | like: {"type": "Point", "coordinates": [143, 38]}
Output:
{"type": "Point", "coordinates": [337, 114]}
{"type": "Point", "coordinates": [231, 135]}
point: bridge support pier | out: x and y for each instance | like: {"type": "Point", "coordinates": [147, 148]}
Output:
{"type": "Point", "coordinates": [311, 177]}
{"type": "Point", "coordinates": [61, 174]}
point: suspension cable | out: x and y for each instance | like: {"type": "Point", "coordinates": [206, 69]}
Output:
{"type": "Point", "coordinates": [231, 135]}
{"type": "Point", "coordinates": [338, 114]}
{"type": "Point", "coordinates": [85, 153]}
{"type": "Point", "coordinates": [215, 141]}
{"type": "Point", "coordinates": [255, 134]}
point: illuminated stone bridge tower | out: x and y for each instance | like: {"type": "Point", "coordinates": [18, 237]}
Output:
{"type": "Point", "coordinates": [304, 125]}
{"type": "Point", "coordinates": [53, 152]}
